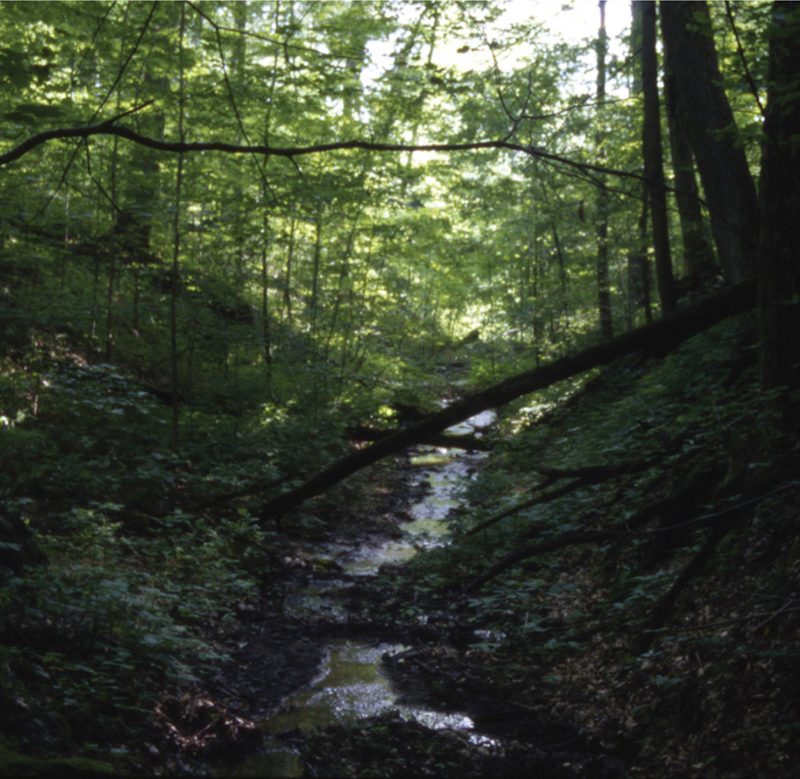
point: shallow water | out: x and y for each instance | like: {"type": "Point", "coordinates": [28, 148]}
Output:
{"type": "Point", "coordinates": [350, 685]}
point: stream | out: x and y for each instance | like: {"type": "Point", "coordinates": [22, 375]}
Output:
{"type": "Point", "coordinates": [350, 684]}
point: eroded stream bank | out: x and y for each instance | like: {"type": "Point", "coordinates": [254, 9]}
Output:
{"type": "Point", "coordinates": [365, 696]}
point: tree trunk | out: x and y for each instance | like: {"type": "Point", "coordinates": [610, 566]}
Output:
{"type": "Point", "coordinates": [638, 264]}
{"type": "Point", "coordinates": [266, 333]}
{"type": "Point", "coordinates": [653, 160]}
{"type": "Point", "coordinates": [698, 253]}
{"type": "Point", "coordinates": [112, 253]}
{"type": "Point", "coordinates": [287, 288]}
{"type": "Point", "coordinates": [660, 337]}
{"type": "Point", "coordinates": [174, 293]}
{"type": "Point", "coordinates": [721, 161]}
{"type": "Point", "coordinates": [601, 219]}
{"type": "Point", "coordinates": [779, 253]}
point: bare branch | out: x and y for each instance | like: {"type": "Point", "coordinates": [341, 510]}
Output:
{"type": "Point", "coordinates": [585, 170]}
{"type": "Point", "coordinates": [99, 108]}
{"type": "Point", "coordinates": [549, 545]}
{"type": "Point", "coordinates": [584, 477]}
{"type": "Point", "coordinates": [731, 514]}
{"type": "Point", "coordinates": [289, 152]}
{"type": "Point", "coordinates": [128, 59]}
{"type": "Point", "coordinates": [130, 111]}
{"type": "Point", "coordinates": [284, 44]}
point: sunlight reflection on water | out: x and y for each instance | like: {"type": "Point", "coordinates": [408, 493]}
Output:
{"type": "Point", "coordinates": [350, 685]}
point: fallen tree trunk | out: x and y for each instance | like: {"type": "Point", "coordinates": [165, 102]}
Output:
{"type": "Point", "coordinates": [660, 338]}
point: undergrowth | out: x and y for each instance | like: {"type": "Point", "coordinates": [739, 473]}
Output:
{"type": "Point", "coordinates": [123, 565]}
{"type": "Point", "coordinates": [672, 640]}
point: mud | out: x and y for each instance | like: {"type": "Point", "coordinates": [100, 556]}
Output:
{"type": "Point", "coordinates": [437, 711]}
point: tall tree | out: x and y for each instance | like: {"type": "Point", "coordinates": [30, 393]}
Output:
{"type": "Point", "coordinates": [638, 264]}
{"type": "Point", "coordinates": [698, 254]}
{"type": "Point", "coordinates": [601, 218]}
{"type": "Point", "coordinates": [779, 251]}
{"type": "Point", "coordinates": [654, 160]}
{"type": "Point", "coordinates": [724, 172]}
{"type": "Point", "coordinates": [176, 249]}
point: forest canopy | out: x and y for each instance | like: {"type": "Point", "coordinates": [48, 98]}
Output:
{"type": "Point", "coordinates": [348, 250]}
{"type": "Point", "coordinates": [321, 187]}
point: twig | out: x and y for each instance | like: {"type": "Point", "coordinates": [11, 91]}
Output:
{"type": "Point", "coordinates": [130, 111]}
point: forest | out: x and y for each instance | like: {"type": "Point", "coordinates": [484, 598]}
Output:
{"type": "Point", "coordinates": [264, 262]}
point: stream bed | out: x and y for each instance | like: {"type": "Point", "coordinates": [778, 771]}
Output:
{"type": "Point", "coordinates": [351, 684]}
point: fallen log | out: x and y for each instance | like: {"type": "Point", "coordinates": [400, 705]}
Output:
{"type": "Point", "coordinates": [658, 338]}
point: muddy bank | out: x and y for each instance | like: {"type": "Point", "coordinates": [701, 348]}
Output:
{"type": "Point", "coordinates": [343, 672]}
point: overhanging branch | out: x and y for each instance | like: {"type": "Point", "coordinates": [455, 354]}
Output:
{"type": "Point", "coordinates": [289, 152]}
{"type": "Point", "coordinates": [587, 169]}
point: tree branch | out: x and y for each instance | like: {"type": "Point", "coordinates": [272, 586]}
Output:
{"type": "Point", "coordinates": [468, 442]}
{"type": "Point", "coordinates": [542, 497]}
{"type": "Point", "coordinates": [747, 74]}
{"type": "Point", "coordinates": [586, 169]}
{"type": "Point", "coordinates": [290, 152]}
{"type": "Point", "coordinates": [549, 545]}
{"type": "Point", "coordinates": [721, 522]}
{"type": "Point", "coordinates": [591, 474]}
{"type": "Point", "coordinates": [660, 337]}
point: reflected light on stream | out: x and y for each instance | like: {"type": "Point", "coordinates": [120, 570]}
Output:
{"type": "Point", "coordinates": [350, 685]}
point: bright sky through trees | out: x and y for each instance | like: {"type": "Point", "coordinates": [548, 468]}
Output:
{"type": "Point", "coordinates": [574, 23]}
{"type": "Point", "coordinates": [578, 20]}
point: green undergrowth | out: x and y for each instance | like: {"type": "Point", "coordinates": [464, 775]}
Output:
{"type": "Point", "coordinates": [125, 560]}
{"type": "Point", "coordinates": [671, 640]}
